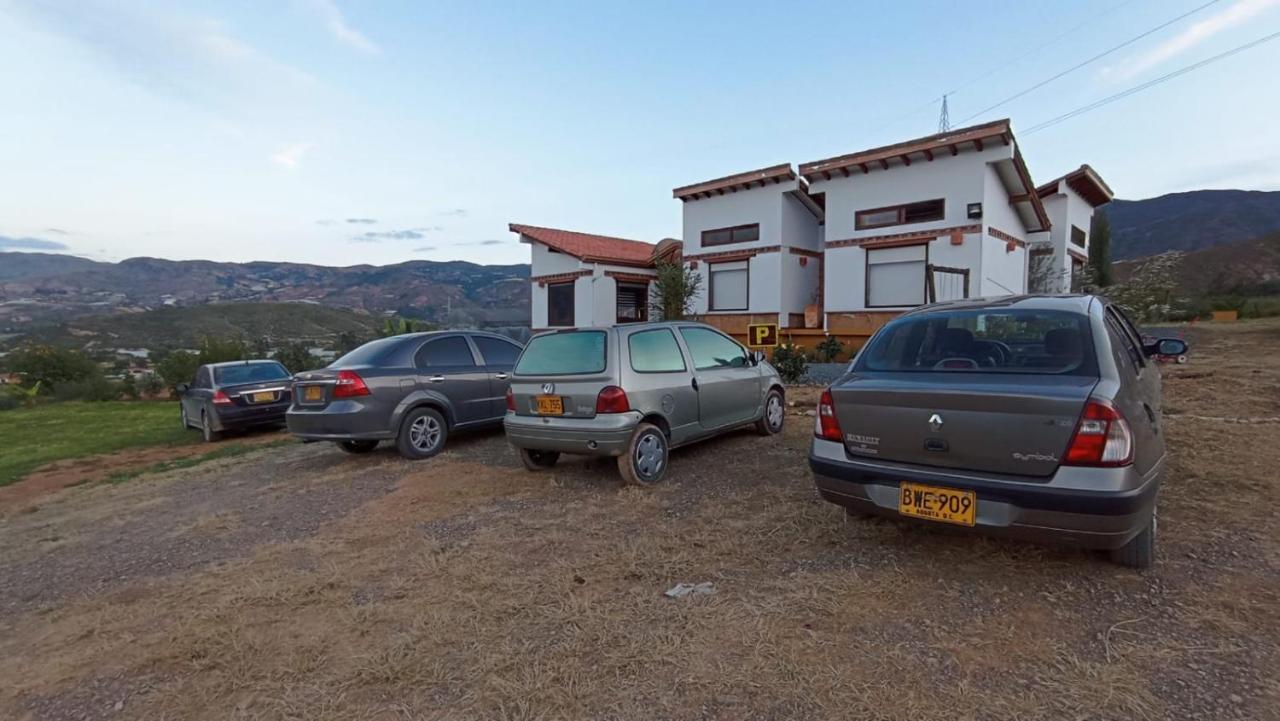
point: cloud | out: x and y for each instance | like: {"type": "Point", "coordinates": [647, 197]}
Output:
{"type": "Point", "coordinates": [57, 231]}
{"type": "Point", "coordinates": [1233, 15]}
{"type": "Point", "coordinates": [424, 249]}
{"type": "Point", "coordinates": [489, 241]}
{"type": "Point", "coordinates": [455, 213]}
{"type": "Point", "coordinates": [338, 27]}
{"type": "Point", "coordinates": [377, 236]}
{"type": "Point", "coordinates": [326, 222]}
{"type": "Point", "coordinates": [180, 56]}
{"type": "Point", "coordinates": [290, 155]}
{"type": "Point", "coordinates": [362, 221]}
{"type": "Point", "coordinates": [7, 243]}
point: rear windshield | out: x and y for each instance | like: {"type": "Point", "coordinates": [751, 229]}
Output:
{"type": "Point", "coordinates": [563, 354]}
{"type": "Point", "coordinates": [367, 354]}
{"type": "Point", "coordinates": [984, 341]}
{"type": "Point", "coordinates": [250, 373]}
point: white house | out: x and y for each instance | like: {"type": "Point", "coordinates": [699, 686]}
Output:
{"type": "Point", "coordinates": [755, 238]}
{"type": "Point", "coordinates": [937, 218]}
{"type": "Point", "coordinates": [580, 279]}
{"type": "Point", "coordinates": [1058, 258]}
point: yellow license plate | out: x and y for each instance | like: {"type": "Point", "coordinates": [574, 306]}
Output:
{"type": "Point", "coordinates": [549, 405]}
{"type": "Point", "coordinates": [263, 397]}
{"type": "Point", "coordinates": [312, 393]}
{"type": "Point", "coordinates": [938, 504]}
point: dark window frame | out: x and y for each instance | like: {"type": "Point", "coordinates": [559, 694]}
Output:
{"type": "Point", "coordinates": [631, 359]}
{"type": "Point", "coordinates": [866, 278]}
{"type": "Point", "coordinates": [466, 343]}
{"type": "Point", "coordinates": [711, 284]}
{"type": "Point", "coordinates": [733, 231]}
{"type": "Point", "coordinates": [573, 298]}
{"type": "Point", "coordinates": [1079, 236]}
{"type": "Point", "coordinates": [475, 340]}
{"type": "Point", "coordinates": [901, 215]}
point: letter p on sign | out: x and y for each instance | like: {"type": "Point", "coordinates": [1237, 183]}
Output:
{"type": "Point", "coordinates": [762, 335]}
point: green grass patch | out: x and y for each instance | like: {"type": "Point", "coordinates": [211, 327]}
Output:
{"type": "Point", "coordinates": [32, 437]}
{"type": "Point", "coordinates": [227, 451]}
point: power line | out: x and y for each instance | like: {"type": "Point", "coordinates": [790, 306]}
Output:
{"type": "Point", "coordinates": [1097, 57]}
{"type": "Point", "coordinates": [1150, 83]}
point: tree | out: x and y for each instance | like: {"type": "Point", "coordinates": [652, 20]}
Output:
{"type": "Point", "coordinates": [177, 366]}
{"type": "Point", "coordinates": [1100, 250]}
{"type": "Point", "coordinates": [129, 387]}
{"type": "Point", "coordinates": [50, 366]}
{"type": "Point", "coordinates": [1148, 293]}
{"type": "Point", "coordinates": [397, 325]}
{"type": "Point", "coordinates": [220, 350]}
{"type": "Point", "coordinates": [673, 290]}
{"type": "Point", "coordinates": [297, 357]}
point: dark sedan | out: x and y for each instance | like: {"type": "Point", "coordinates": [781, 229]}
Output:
{"type": "Point", "coordinates": [413, 389]}
{"type": "Point", "coordinates": [235, 395]}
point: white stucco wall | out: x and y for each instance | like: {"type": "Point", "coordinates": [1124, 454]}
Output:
{"type": "Point", "coordinates": [845, 285]}
{"type": "Point", "coordinates": [1004, 272]}
{"type": "Point", "coordinates": [764, 289]}
{"type": "Point", "coordinates": [799, 226]}
{"type": "Point", "coordinates": [544, 261]}
{"type": "Point", "coordinates": [799, 282]}
{"type": "Point", "coordinates": [997, 211]}
{"type": "Point", "coordinates": [761, 205]}
{"type": "Point", "coordinates": [1066, 208]}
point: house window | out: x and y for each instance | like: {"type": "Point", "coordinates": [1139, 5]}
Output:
{"type": "Point", "coordinates": [728, 285]}
{"type": "Point", "coordinates": [560, 304]}
{"type": "Point", "coordinates": [1078, 236]}
{"type": "Point", "coordinates": [896, 276]}
{"type": "Point", "coordinates": [921, 212]}
{"type": "Point", "coordinates": [736, 234]}
{"type": "Point", "coordinates": [633, 302]}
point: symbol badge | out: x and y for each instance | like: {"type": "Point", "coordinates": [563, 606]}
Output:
{"type": "Point", "coordinates": [935, 422]}
{"type": "Point", "coordinates": [548, 388]}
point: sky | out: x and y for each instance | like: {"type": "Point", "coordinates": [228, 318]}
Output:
{"type": "Point", "coordinates": [341, 132]}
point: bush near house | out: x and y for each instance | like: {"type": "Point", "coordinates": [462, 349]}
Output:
{"type": "Point", "coordinates": [790, 361]}
{"type": "Point", "coordinates": [829, 349]}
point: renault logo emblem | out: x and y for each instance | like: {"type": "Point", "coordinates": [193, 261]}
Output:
{"type": "Point", "coordinates": [935, 422]}
{"type": "Point", "coordinates": [548, 388]}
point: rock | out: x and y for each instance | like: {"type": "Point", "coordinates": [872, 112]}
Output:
{"type": "Point", "coordinates": [680, 590]}
{"type": "Point", "coordinates": [119, 705]}
{"type": "Point", "coordinates": [811, 413]}
{"type": "Point", "coordinates": [1236, 698]}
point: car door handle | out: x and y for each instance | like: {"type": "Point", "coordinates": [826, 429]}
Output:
{"type": "Point", "coordinates": [694, 383]}
{"type": "Point", "coordinates": [501, 376]}
{"type": "Point", "coordinates": [436, 379]}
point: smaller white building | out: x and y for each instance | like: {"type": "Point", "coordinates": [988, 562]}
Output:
{"type": "Point", "coordinates": [581, 279]}
{"type": "Point", "coordinates": [1059, 257]}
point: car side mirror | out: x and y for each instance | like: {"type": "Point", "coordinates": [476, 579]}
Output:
{"type": "Point", "coordinates": [1167, 346]}
{"type": "Point", "coordinates": [182, 388]}
{"type": "Point", "coordinates": [756, 357]}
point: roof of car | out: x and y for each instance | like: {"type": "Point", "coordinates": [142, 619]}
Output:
{"type": "Point", "coordinates": [255, 361]}
{"type": "Point", "coordinates": [1077, 302]}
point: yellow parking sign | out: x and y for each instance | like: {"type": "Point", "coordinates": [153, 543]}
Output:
{"type": "Point", "coordinates": [762, 335]}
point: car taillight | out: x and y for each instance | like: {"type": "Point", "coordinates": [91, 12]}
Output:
{"type": "Point", "coordinates": [612, 400]}
{"type": "Point", "coordinates": [511, 400]}
{"type": "Point", "coordinates": [221, 399]}
{"type": "Point", "coordinates": [349, 385]}
{"type": "Point", "coordinates": [1102, 437]}
{"type": "Point", "coordinates": [828, 426]}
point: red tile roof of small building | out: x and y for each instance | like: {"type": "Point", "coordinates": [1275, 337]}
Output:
{"type": "Point", "coordinates": [589, 247]}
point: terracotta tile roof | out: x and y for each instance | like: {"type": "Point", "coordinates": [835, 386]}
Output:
{"type": "Point", "coordinates": [1085, 181]}
{"type": "Point", "coordinates": [773, 173]}
{"type": "Point", "coordinates": [588, 247]}
{"type": "Point", "coordinates": [973, 134]}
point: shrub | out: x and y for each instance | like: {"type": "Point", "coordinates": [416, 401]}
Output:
{"type": "Point", "coordinates": [829, 349]}
{"type": "Point", "coordinates": [790, 361]}
{"type": "Point", "coordinates": [92, 389]}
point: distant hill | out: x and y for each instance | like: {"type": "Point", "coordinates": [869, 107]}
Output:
{"type": "Point", "coordinates": [1246, 267]}
{"type": "Point", "coordinates": [38, 288]}
{"type": "Point", "coordinates": [1190, 221]}
{"type": "Point", "coordinates": [185, 327]}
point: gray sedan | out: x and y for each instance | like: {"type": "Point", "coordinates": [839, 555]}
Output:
{"type": "Point", "coordinates": [413, 389]}
{"type": "Point", "coordinates": [1033, 417]}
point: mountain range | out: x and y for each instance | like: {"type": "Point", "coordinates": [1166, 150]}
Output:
{"type": "Point", "coordinates": [1190, 221]}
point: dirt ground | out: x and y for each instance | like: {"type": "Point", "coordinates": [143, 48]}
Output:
{"type": "Point", "coordinates": [297, 582]}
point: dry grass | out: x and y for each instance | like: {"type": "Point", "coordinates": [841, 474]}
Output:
{"type": "Point", "coordinates": [478, 591]}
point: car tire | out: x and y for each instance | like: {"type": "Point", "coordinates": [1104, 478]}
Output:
{"type": "Point", "coordinates": [1140, 552]}
{"type": "Point", "coordinates": [646, 459]}
{"type": "Point", "coordinates": [423, 433]}
{"type": "Point", "coordinates": [206, 429]}
{"type": "Point", "coordinates": [357, 447]}
{"type": "Point", "coordinates": [774, 414]}
{"type": "Point", "coordinates": [538, 460]}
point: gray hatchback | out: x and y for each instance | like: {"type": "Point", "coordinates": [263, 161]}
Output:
{"type": "Point", "coordinates": [635, 391]}
{"type": "Point", "coordinates": [414, 389]}
{"type": "Point", "coordinates": [1034, 417]}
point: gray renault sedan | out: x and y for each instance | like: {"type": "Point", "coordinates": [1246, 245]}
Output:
{"type": "Point", "coordinates": [1033, 417]}
{"type": "Point", "coordinates": [413, 389]}
{"type": "Point", "coordinates": [635, 391]}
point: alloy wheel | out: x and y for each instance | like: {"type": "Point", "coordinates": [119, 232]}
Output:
{"type": "Point", "coordinates": [650, 456]}
{"type": "Point", "coordinates": [424, 434]}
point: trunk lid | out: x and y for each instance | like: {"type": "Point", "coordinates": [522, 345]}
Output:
{"type": "Point", "coordinates": [569, 365]}
{"type": "Point", "coordinates": [1017, 424]}
{"type": "Point", "coordinates": [313, 389]}
{"type": "Point", "coordinates": [260, 393]}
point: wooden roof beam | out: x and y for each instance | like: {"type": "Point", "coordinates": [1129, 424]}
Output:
{"type": "Point", "coordinates": [928, 154]}
{"type": "Point", "coordinates": [977, 143]}
{"type": "Point", "coordinates": [865, 170]}
{"type": "Point", "coordinates": [954, 150]}
{"type": "Point", "coordinates": [884, 164]}
{"type": "Point", "coordinates": [906, 159]}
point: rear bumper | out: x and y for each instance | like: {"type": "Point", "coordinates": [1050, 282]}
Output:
{"type": "Point", "coordinates": [237, 417]}
{"type": "Point", "coordinates": [1100, 508]}
{"type": "Point", "coordinates": [339, 421]}
{"type": "Point", "coordinates": [605, 435]}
